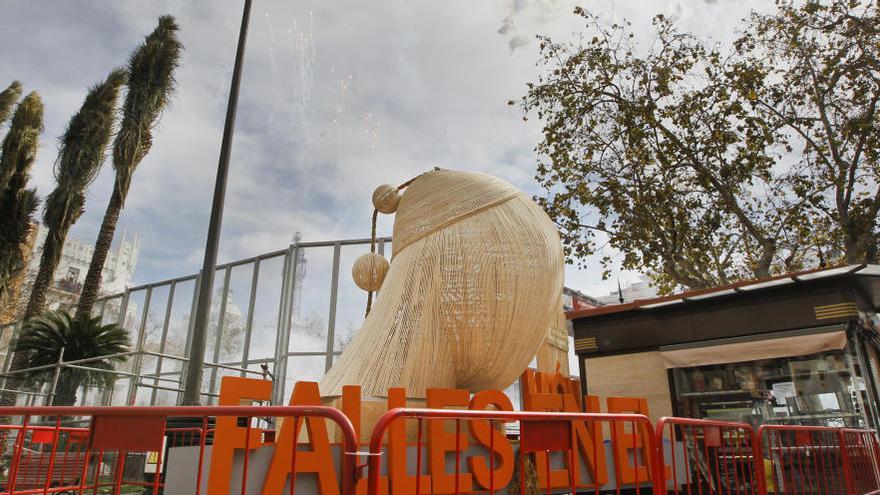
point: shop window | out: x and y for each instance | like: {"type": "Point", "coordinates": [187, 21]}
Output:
{"type": "Point", "coordinates": [820, 389]}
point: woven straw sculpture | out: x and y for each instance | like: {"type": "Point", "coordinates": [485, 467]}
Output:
{"type": "Point", "coordinates": [474, 284]}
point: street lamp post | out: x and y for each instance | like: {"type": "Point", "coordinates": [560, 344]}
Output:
{"type": "Point", "coordinates": [192, 386]}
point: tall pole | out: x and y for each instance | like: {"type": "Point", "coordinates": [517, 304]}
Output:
{"type": "Point", "coordinates": [192, 386]}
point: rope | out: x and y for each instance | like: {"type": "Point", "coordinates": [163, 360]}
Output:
{"type": "Point", "coordinates": [372, 250]}
{"type": "Point", "coordinates": [373, 233]}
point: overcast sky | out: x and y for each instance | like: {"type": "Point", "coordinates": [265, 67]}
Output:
{"type": "Point", "coordinates": [337, 98]}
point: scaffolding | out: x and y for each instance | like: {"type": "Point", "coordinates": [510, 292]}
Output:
{"type": "Point", "coordinates": [268, 316]}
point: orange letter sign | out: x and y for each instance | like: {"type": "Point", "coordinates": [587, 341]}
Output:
{"type": "Point", "coordinates": [318, 460]}
{"type": "Point", "coordinates": [228, 436]}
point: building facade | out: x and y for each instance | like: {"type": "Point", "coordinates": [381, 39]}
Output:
{"type": "Point", "coordinates": [74, 265]}
{"type": "Point", "coordinates": [800, 348]}
{"type": "Point", "coordinates": [641, 289]}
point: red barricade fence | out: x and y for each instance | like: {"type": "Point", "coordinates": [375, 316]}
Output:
{"type": "Point", "coordinates": [863, 456]}
{"type": "Point", "coordinates": [174, 450]}
{"type": "Point", "coordinates": [706, 456]}
{"type": "Point", "coordinates": [123, 449]}
{"type": "Point", "coordinates": [815, 459]}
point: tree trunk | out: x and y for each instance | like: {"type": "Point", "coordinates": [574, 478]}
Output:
{"type": "Point", "coordinates": [102, 248]}
{"type": "Point", "coordinates": [765, 262]}
{"type": "Point", "coordinates": [65, 392]}
{"type": "Point", "coordinates": [48, 264]}
{"type": "Point", "coordinates": [852, 252]}
{"type": "Point", "coordinates": [36, 305]}
{"type": "Point", "coordinates": [859, 245]}
{"type": "Point", "coordinates": [871, 250]}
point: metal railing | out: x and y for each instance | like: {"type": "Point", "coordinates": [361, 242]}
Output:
{"type": "Point", "coordinates": [716, 456]}
{"type": "Point", "coordinates": [288, 310]}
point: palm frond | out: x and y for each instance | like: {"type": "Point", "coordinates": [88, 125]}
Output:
{"type": "Point", "coordinates": [17, 203]}
{"type": "Point", "coordinates": [150, 86]}
{"type": "Point", "coordinates": [19, 148]}
{"type": "Point", "coordinates": [44, 338]}
{"type": "Point", "coordinates": [82, 151]}
{"type": "Point", "coordinates": [8, 97]}
{"type": "Point", "coordinates": [15, 226]}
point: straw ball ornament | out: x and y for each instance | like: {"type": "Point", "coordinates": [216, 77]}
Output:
{"type": "Point", "coordinates": [386, 198]}
{"type": "Point", "coordinates": [369, 271]}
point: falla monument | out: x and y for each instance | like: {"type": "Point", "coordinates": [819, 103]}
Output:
{"type": "Point", "coordinates": [474, 284]}
{"type": "Point", "coordinates": [471, 296]}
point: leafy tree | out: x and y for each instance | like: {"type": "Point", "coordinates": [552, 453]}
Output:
{"type": "Point", "coordinates": [79, 161]}
{"type": "Point", "coordinates": [17, 202]}
{"type": "Point", "coordinates": [8, 98]}
{"type": "Point", "coordinates": [44, 338]}
{"type": "Point", "coordinates": [683, 154]}
{"type": "Point", "coordinates": [659, 149]}
{"type": "Point", "coordinates": [813, 68]}
{"type": "Point", "coordinates": [150, 85]}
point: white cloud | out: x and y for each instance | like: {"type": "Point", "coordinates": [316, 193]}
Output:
{"type": "Point", "coordinates": [337, 98]}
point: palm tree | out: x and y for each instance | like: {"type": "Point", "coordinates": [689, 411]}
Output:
{"type": "Point", "coordinates": [17, 202]}
{"type": "Point", "coordinates": [79, 161]}
{"type": "Point", "coordinates": [43, 339]}
{"type": "Point", "coordinates": [150, 85]}
{"type": "Point", "coordinates": [8, 97]}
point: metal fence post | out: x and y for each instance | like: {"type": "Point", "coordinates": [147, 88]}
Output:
{"type": "Point", "coordinates": [120, 320]}
{"type": "Point", "coordinates": [282, 340]}
{"type": "Point", "coordinates": [58, 364]}
{"type": "Point", "coordinates": [138, 357]}
{"type": "Point", "coordinates": [331, 318]}
{"type": "Point", "coordinates": [164, 337]}
{"type": "Point", "coordinates": [123, 308]}
{"type": "Point", "coordinates": [184, 368]}
{"type": "Point", "coordinates": [255, 280]}
{"type": "Point", "coordinates": [221, 322]}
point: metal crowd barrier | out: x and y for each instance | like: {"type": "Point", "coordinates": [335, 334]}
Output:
{"type": "Point", "coordinates": [718, 457]}
{"type": "Point", "coordinates": [815, 459]}
{"type": "Point", "coordinates": [124, 449]}
{"type": "Point", "coordinates": [174, 450]}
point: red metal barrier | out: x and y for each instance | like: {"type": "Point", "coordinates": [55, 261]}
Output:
{"type": "Point", "coordinates": [861, 448]}
{"type": "Point", "coordinates": [815, 459]}
{"type": "Point", "coordinates": [706, 456]}
{"type": "Point", "coordinates": [121, 444]}
{"type": "Point", "coordinates": [41, 469]}
{"type": "Point", "coordinates": [541, 433]}
{"type": "Point", "coordinates": [112, 450]}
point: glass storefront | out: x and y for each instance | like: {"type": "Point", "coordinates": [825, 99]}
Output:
{"type": "Point", "coordinates": [823, 389]}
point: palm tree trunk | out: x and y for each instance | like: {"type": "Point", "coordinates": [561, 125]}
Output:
{"type": "Point", "coordinates": [65, 392]}
{"type": "Point", "coordinates": [48, 264]}
{"type": "Point", "coordinates": [102, 247]}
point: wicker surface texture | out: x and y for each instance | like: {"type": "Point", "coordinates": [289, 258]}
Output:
{"type": "Point", "coordinates": [473, 287]}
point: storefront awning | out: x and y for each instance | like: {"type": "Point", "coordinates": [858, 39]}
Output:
{"type": "Point", "coordinates": [753, 350]}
